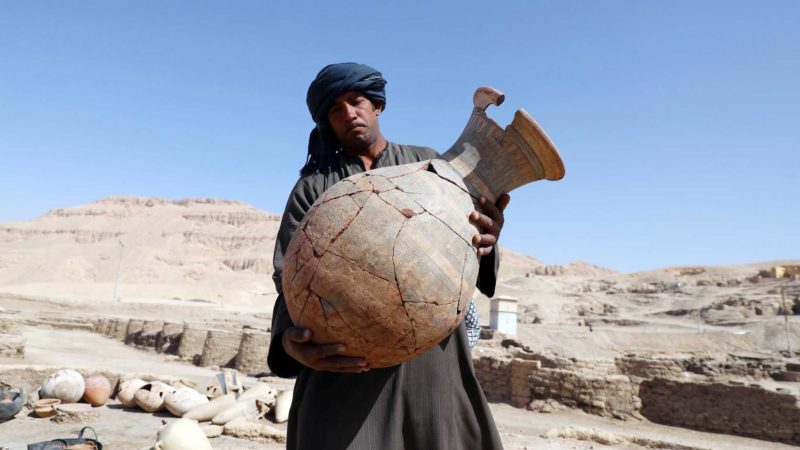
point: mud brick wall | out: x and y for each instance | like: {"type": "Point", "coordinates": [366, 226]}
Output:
{"type": "Point", "coordinates": [133, 330]}
{"type": "Point", "coordinates": [609, 395]}
{"type": "Point", "coordinates": [494, 375]}
{"type": "Point", "coordinates": [169, 338]}
{"type": "Point", "coordinates": [648, 368]}
{"type": "Point", "coordinates": [220, 348]}
{"type": "Point", "coordinates": [149, 333]}
{"type": "Point", "coordinates": [252, 356]}
{"type": "Point", "coordinates": [192, 341]}
{"type": "Point", "coordinates": [521, 393]}
{"type": "Point", "coordinates": [721, 408]}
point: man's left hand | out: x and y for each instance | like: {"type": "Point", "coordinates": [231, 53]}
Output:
{"type": "Point", "coordinates": [489, 223]}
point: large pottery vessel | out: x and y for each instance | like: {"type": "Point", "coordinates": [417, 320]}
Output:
{"type": "Point", "coordinates": [384, 262]}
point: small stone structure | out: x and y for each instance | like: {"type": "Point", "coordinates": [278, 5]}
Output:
{"type": "Point", "coordinates": [149, 334]}
{"type": "Point", "coordinates": [503, 315]}
{"type": "Point", "coordinates": [192, 341]}
{"type": "Point", "coordinates": [690, 392]}
{"type": "Point", "coordinates": [118, 331]}
{"type": "Point", "coordinates": [133, 330]}
{"type": "Point", "coordinates": [220, 348]}
{"type": "Point", "coordinates": [100, 325]}
{"type": "Point", "coordinates": [109, 328]}
{"type": "Point", "coordinates": [252, 356]}
{"type": "Point", "coordinates": [169, 338]}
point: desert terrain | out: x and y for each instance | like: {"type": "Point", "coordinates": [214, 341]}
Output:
{"type": "Point", "coordinates": [695, 357]}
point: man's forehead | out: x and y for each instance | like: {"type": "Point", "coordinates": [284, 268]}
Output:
{"type": "Point", "coordinates": [349, 95]}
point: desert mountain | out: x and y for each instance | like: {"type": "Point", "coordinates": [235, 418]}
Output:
{"type": "Point", "coordinates": [205, 249]}
{"type": "Point", "coordinates": [192, 249]}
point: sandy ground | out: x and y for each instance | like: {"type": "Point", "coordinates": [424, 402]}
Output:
{"type": "Point", "coordinates": [120, 428]}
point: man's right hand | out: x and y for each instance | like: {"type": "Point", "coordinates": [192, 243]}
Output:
{"type": "Point", "coordinates": [321, 357]}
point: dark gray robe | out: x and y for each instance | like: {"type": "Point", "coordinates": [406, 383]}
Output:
{"type": "Point", "coordinates": [431, 402]}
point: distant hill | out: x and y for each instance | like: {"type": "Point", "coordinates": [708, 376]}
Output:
{"type": "Point", "coordinates": [193, 249]}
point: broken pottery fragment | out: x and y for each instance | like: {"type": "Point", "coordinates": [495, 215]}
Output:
{"type": "Point", "coordinates": [222, 383]}
{"type": "Point", "coordinates": [66, 385]}
{"type": "Point", "coordinates": [252, 408]}
{"type": "Point", "coordinates": [97, 390]}
{"type": "Point", "coordinates": [182, 434]}
{"type": "Point", "coordinates": [383, 261]}
{"type": "Point", "coordinates": [183, 399]}
{"type": "Point", "coordinates": [208, 410]}
{"type": "Point", "coordinates": [150, 397]}
{"type": "Point", "coordinates": [127, 390]}
{"type": "Point", "coordinates": [259, 389]}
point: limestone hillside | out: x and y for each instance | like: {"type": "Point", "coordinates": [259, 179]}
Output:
{"type": "Point", "coordinates": [194, 249]}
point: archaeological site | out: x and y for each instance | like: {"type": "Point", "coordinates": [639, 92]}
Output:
{"type": "Point", "coordinates": [170, 304]}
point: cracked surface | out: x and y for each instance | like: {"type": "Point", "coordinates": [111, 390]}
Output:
{"type": "Point", "coordinates": [383, 262]}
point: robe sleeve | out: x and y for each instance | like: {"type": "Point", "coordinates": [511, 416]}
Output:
{"type": "Point", "coordinates": [300, 200]}
{"type": "Point", "coordinates": [487, 272]}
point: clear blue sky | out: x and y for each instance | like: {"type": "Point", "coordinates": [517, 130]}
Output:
{"type": "Point", "coordinates": [677, 120]}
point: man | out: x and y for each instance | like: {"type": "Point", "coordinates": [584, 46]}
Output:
{"type": "Point", "coordinates": [431, 402]}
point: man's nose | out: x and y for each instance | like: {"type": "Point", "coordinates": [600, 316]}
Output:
{"type": "Point", "coordinates": [349, 112]}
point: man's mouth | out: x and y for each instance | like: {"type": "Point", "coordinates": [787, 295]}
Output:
{"type": "Point", "coordinates": [355, 129]}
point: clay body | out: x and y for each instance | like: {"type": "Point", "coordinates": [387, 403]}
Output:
{"type": "Point", "coordinates": [383, 261]}
{"type": "Point", "coordinates": [66, 385]}
{"type": "Point", "coordinates": [182, 400]}
{"type": "Point", "coordinates": [182, 434]}
{"type": "Point", "coordinates": [127, 390]}
{"type": "Point", "coordinates": [97, 390]}
{"type": "Point", "coordinates": [150, 397]}
{"type": "Point", "coordinates": [11, 403]}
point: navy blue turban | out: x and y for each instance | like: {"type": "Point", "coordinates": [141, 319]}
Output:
{"type": "Point", "coordinates": [330, 83]}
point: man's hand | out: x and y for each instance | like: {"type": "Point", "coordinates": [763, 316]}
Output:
{"type": "Point", "coordinates": [321, 357]}
{"type": "Point", "coordinates": [490, 223]}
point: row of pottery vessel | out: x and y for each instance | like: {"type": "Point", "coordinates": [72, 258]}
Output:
{"type": "Point", "coordinates": [218, 401]}
{"type": "Point", "coordinates": [69, 386]}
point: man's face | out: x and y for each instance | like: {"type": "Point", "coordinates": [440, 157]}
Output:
{"type": "Point", "coordinates": [354, 120]}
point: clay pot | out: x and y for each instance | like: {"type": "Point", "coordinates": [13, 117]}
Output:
{"type": "Point", "coordinates": [11, 404]}
{"type": "Point", "coordinates": [182, 400]}
{"type": "Point", "coordinates": [383, 261]}
{"type": "Point", "coordinates": [254, 403]}
{"type": "Point", "coordinates": [208, 410]}
{"type": "Point", "coordinates": [182, 434]}
{"type": "Point", "coordinates": [46, 407]}
{"type": "Point", "coordinates": [127, 390]}
{"type": "Point", "coordinates": [251, 408]}
{"type": "Point", "coordinates": [97, 390]}
{"type": "Point", "coordinates": [282, 405]}
{"type": "Point", "coordinates": [150, 397]}
{"type": "Point", "coordinates": [66, 385]}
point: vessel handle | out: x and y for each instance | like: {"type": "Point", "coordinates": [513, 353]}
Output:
{"type": "Point", "coordinates": [487, 95]}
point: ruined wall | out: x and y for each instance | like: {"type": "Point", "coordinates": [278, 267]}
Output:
{"type": "Point", "coordinates": [606, 395]}
{"type": "Point", "coordinates": [732, 409]}
{"type": "Point", "coordinates": [519, 381]}
{"type": "Point", "coordinates": [643, 367]}
{"type": "Point", "coordinates": [494, 375]}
